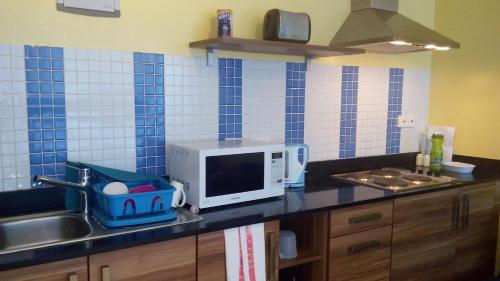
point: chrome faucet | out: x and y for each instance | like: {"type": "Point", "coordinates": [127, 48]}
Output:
{"type": "Point", "coordinates": [83, 182]}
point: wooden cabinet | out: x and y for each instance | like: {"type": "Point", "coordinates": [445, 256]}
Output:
{"type": "Point", "coordinates": [311, 232]}
{"type": "Point", "coordinates": [423, 237]}
{"type": "Point", "coordinates": [173, 260]}
{"type": "Point", "coordinates": [475, 244]}
{"type": "Point", "coordinates": [447, 235]}
{"type": "Point", "coordinates": [68, 270]}
{"type": "Point", "coordinates": [360, 243]}
{"type": "Point", "coordinates": [360, 218]}
{"type": "Point", "coordinates": [212, 257]}
{"type": "Point", "coordinates": [363, 256]}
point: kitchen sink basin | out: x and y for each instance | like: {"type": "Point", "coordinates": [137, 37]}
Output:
{"type": "Point", "coordinates": [31, 232]}
{"type": "Point", "coordinates": [41, 230]}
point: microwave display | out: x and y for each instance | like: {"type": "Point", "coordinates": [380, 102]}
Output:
{"type": "Point", "coordinates": [235, 173]}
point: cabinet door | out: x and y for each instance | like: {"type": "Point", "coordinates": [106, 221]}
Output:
{"type": "Point", "coordinates": [173, 260]}
{"type": "Point", "coordinates": [475, 252]}
{"type": "Point", "coordinates": [68, 270]}
{"type": "Point", "coordinates": [423, 242]}
{"type": "Point", "coordinates": [363, 256]}
{"type": "Point", "coordinates": [212, 256]}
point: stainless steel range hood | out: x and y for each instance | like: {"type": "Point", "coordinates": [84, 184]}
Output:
{"type": "Point", "coordinates": [376, 26]}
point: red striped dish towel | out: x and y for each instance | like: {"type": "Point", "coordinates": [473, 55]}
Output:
{"type": "Point", "coordinates": [245, 253]}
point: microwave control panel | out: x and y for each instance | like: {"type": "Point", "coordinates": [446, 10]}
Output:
{"type": "Point", "coordinates": [277, 167]}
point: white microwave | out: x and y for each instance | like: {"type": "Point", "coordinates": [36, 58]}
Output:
{"type": "Point", "coordinates": [216, 173]}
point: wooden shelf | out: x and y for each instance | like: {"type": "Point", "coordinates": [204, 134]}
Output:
{"type": "Point", "coordinates": [272, 47]}
{"type": "Point", "coordinates": [303, 257]}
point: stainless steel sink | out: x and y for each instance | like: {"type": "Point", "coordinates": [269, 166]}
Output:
{"type": "Point", "coordinates": [32, 231]}
{"type": "Point", "coordinates": [57, 228]}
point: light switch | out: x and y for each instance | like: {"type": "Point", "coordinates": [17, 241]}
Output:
{"type": "Point", "coordinates": [406, 121]}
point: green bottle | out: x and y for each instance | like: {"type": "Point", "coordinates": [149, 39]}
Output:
{"type": "Point", "coordinates": [437, 153]}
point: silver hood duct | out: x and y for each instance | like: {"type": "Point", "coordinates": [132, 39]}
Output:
{"type": "Point", "coordinates": [376, 26]}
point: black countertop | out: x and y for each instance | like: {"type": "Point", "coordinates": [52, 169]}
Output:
{"type": "Point", "coordinates": [320, 194]}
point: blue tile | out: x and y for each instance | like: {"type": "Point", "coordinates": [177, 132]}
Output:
{"type": "Point", "coordinates": [149, 58]}
{"type": "Point", "coordinates": [30, 51]}
{"type": "Point", "coordinates": [159, 58]}
{"type": "Point", "coordinates": [49, 158]}
{"type": "Point", "coordinates": [159, 69]}
{"type": "Point", "coordinates": [31, 75]}
{"type": "Point", "coordinates": [149, 68]}
{"type": "Point", "coordinates": [138, 57]}
{"type": "Point", "coordinates": [59, 123]}
{"type": "Point", "coordinates": [33, 87]}
{"type": "Point", "coordinates": [44, 52]}
{"type": "Point", "coordinates": [36, 170]}
{"type": "Point", "coordinates": [57, 64]}
{"type": "Point", "coordinates": [56, 52]}
{"type": "Point", "coordinates": [48, 146]}
{"type": "Point", "coordinates": [44, 64]}
{"type": "Point", "coordinates": [58, 76]}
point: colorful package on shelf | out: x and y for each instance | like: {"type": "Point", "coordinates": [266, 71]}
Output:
{"type": "Point", "coordinates": [224, 23]}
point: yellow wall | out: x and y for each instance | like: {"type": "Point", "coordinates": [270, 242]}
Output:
{"type": "Point", "coordinates": [465, 83]}
{"type": "Point", "coordinates": [169, 25]}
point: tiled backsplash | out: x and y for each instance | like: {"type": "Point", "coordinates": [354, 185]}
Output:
{"type": "Point", "coordinates": [120, 109]}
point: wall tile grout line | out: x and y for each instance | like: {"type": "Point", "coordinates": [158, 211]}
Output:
{"type": "Point", "coordinates": [348, 111]}
{"type": "Point", "coordinates": [230, 98]}
{"type": "Point", "coordinates": [83, 105]}
{"type": "Point", "coordinates": [46, 110]}
{"type": "Point", "coordinates": [295, 103]}
{"type": "Point", "coordinates": [394, 109]}
{"type": "Point", "coordinates": [150, 113]}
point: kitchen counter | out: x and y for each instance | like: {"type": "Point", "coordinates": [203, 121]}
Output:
{"type": "Point", "coordinates": [320, 194]}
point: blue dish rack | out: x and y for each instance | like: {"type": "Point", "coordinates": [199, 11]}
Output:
{"type": "Point", "coordinates": [133, 208]}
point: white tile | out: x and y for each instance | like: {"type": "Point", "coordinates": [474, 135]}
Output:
{"type": "Point", "coordinates": [264, 87]}
{"type": "Point", "coordinates": [416, 86]}
{"type": "Point", "coordinates": [371, 129]}
{"type": "Point", "coordinates": [99, 99]}
{"type": "Point", "coordinates": [4, 50]}
{"type": "Point", "coordinates": [322, 111]}
{"type": "Point", "coordinates": [197, 116]}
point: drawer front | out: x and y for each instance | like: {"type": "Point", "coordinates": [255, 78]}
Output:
{"type": "Point", "coordinates": [360, 218]}
{"type": "Point", "coordinates": [363, 256]}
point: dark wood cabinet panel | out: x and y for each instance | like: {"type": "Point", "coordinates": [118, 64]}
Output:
{"type": "Point", "coordinates": [173, 260]}
{"type": "Point", "coordinates": [423, 242]}
{"type": "Point", "coordinates": [476, 239]}
{"type": "Point", "coordinates": [212, 256]}
{"type": "Point", "coordinates": [363, 256]}
{"type": "Point", "coordinates": [360, 218]}
{"type": "Point", "coordinates": [68, 270]}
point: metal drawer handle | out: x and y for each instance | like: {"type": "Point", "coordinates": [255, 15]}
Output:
{"type": "Point", "coordinates": [467, 210]}
{"type": "Point", "coordinates": [106, 273]}
{"type": "Point", "coordinates": [354, 249]}
{"type": "Point", "coordinates": [365, 218]}
{"type": "Point", "coordinates": [73, 277]}
{"type": "Point", "coordinates": [456, 211]}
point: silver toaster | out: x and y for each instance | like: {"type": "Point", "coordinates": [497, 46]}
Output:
{"type": "Point", "coordinates": [281, 25]}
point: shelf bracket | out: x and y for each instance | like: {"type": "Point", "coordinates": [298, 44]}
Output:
{"type": "Point", "coordinates": [307, 60]}
{"type": "Point", "coordinates": [211, 56]}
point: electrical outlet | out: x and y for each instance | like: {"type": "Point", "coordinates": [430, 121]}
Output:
{"type": "Point", "coordinates": [406, 121]}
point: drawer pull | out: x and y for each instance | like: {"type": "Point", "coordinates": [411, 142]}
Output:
{"type": "Point", "coordinates": [456, 211]}
{"type": "Point", "coordinates": [365, 218]}
{"type": "Point", "coordinates": [106, 273]}
{"type": "Point", "coordinates": [73, 277]}
{"type": "Point", "coordinates": [354, 249]}
{"type": "Point", "coordinates": [466, 210]}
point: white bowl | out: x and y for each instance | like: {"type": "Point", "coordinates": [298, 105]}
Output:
{"type": "Point", "coordinates": [458, 167]}
{"type": "Point", "coordinates": [115, 188]}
